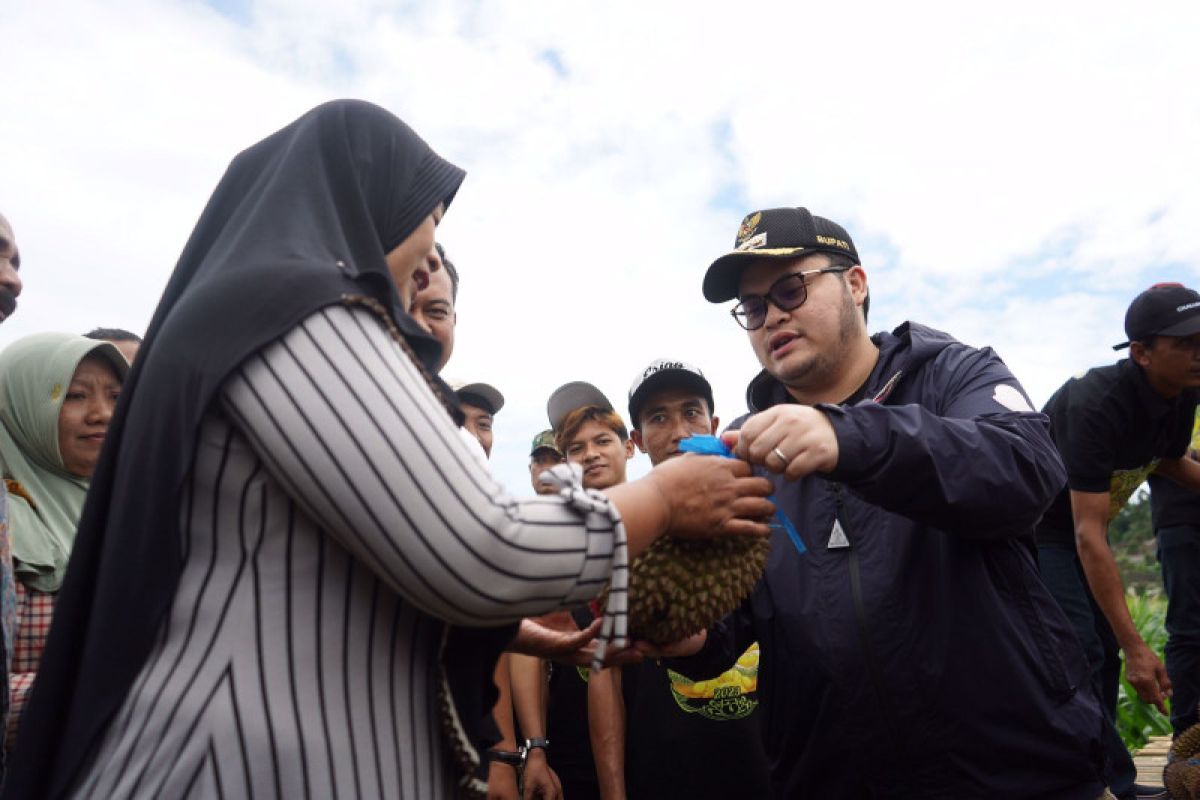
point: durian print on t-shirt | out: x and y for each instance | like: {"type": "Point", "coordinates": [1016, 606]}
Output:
{"type": "Point", "coordinates": [1123, 484]}
{"type": "Point", "coordinates": [731, 695]}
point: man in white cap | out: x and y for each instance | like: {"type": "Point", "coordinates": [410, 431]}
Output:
{"type": "Point", "coordinates": [688, 740]}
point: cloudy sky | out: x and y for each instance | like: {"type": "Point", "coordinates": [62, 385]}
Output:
{"type": "Point", "coordinates": [1012, 173]}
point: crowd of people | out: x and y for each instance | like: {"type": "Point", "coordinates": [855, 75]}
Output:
{"type": "Point", "coordinates": [271, 561]}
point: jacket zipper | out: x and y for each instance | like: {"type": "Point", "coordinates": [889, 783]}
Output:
{"type": "Point", "coordinates": [874, 673]}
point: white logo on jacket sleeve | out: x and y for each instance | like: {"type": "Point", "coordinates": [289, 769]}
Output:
{"type": "Point", "coordinates": [1011, 398]}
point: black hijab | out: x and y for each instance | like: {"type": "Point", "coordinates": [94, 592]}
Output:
{"type": "Point", "coordinates": [299, 221]}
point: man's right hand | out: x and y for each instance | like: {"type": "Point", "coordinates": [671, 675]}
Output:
{"type": "Point", "coordinates": [1146, 673]}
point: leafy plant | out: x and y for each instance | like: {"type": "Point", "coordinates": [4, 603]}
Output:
{"type": "Point", "coordinates": [1137, 721]}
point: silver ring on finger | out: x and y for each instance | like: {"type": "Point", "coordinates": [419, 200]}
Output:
{"type": "Point", "coordinates": [782, 458]}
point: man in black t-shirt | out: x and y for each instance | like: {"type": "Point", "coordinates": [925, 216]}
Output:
{"type": "Point", "coordinates": [1114, 426]}
{"type": "Point", "coordinates": [589, 760]}
{"type": "Point", "coordinates": [1176, 517]}
{"type": "Point", "coordinates": [693, 740]}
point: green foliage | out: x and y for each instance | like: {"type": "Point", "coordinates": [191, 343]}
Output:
{"type": "Point", "coordinates": [1131, 537]}
{"type": "Point", "coordinates": [1132, 527]}
{"type": "Point", "coordinates": [1137, 721]}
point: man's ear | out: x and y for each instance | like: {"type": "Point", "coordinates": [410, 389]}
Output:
{"type": "Point", "coordinates": [629, 449]}
{"type": "Point", "coordinates": [635, 436]}
{"type": "Point", "coordinates": [1140, 354]}
{"type": "Point", "coordinates": [716, 423]}
{"type": "Point", "coordinates": [856, 277]}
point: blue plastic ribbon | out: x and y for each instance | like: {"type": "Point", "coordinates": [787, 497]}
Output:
{"type": "Point", "coordinates": [712, 446]}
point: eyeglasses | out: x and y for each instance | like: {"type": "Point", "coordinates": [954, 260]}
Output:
{"type": "Point", "coordinates": [787, 294]}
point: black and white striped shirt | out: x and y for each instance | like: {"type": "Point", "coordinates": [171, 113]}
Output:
{"type": "Point", "coordinates": [332, 522]}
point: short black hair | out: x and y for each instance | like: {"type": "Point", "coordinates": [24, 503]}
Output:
{"type": "Point", "coordinates": [450, 270]}
{"type": "Point", "coordinates": [113, 335]}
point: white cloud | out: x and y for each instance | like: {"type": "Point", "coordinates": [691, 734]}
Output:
{"type": "Point", "coordinates": [1012, 175]}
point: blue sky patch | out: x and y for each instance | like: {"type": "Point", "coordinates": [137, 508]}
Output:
{"type": "Point", "coordinates": [553, 59]}
{"type": "Point", "coordinates": [238, 11]}
{"type": "Point", "coordinates": [730, 195]}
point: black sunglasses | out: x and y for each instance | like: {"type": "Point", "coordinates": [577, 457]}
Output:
{"type": "Point", "coordinates": [787, 294]}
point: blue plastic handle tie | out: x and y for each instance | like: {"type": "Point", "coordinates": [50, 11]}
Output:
{"type": "Point", "coordinates": [712, 446]}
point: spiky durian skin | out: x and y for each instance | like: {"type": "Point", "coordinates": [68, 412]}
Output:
{"type": "Point", "coordinates": [1191, 780]}
{"type": "Point", "coordinates": [679, 587]}
{"type": "Point", "coordinates": [1182, 777]}
{"type": "Point", "coordinates": [1187, 744]}
{"type": "Point", "coordinates": [1173, 779]}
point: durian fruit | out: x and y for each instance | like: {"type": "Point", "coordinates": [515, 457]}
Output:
{"type": "Point", "coordinates": [1191, 779]}
{"type": "Point", "coordinates": [1173, 779]}
{"type": "Point", "coordinates": [1186, 744]}
{"type": "Point", "coordinates": [1182, 774]}
{"type": "Point", "coordinates": [679, 587]}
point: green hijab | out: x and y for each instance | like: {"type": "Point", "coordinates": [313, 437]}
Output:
{"type": "Point", "coordinates": [34, 375]}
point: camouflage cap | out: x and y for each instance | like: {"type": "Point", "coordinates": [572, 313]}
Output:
{"type": "Point", "coordinates": [544, 441]}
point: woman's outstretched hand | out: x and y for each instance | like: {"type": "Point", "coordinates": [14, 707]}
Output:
{"type": "Point", "coordinates": [556, 637]}
{"type": "Point", "coordinates": [710, 496]}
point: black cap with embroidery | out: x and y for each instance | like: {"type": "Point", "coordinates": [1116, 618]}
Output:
{"type": "Point", "coordinates": [1165, 309]}
{"type": "Point", "coordinates": [774, 233]}
{"type": "Point", "coordinates": [663, 374]}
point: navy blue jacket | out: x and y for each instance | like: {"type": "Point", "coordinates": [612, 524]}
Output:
{"type": "Point", "coordinates": [926, 659]}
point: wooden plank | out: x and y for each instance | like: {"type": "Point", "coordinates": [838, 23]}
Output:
{"type": "Point", "coordinates": [1151, 760]}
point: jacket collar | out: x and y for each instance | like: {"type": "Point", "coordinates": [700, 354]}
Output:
{"type": "Point", "coordinates": [900, 352]}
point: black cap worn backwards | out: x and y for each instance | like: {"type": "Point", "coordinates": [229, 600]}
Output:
{"type": "Point", "coordinates": [1165, 309]}
{"type": "Point", "coordinates": [774, 233]}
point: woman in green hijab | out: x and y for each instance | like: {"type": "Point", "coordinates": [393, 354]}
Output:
{"type": "Point", "coordinates": [57, 394]}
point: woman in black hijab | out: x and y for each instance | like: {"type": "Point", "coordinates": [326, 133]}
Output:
{"type": "Point", "coordinates": [284, 520]}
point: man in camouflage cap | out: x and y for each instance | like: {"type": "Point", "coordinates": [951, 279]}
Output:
{"type": "Point", "coordinates": [543, 455]}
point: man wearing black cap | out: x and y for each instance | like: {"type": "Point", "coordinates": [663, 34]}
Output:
{"type": "Point", "coordinates": [480, 403]}
{"type": "Point", "coordinates": [1175, 512]}
{"type": "Point", "coordinates": [911, 650]}
{"type": "Point", "coordinates": [1115, 426]}
{"type": "Point", "coordinates": [688, 740]}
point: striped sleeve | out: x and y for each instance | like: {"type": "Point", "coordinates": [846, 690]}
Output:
{"type": "Point", "coordinates": [349, 427]}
